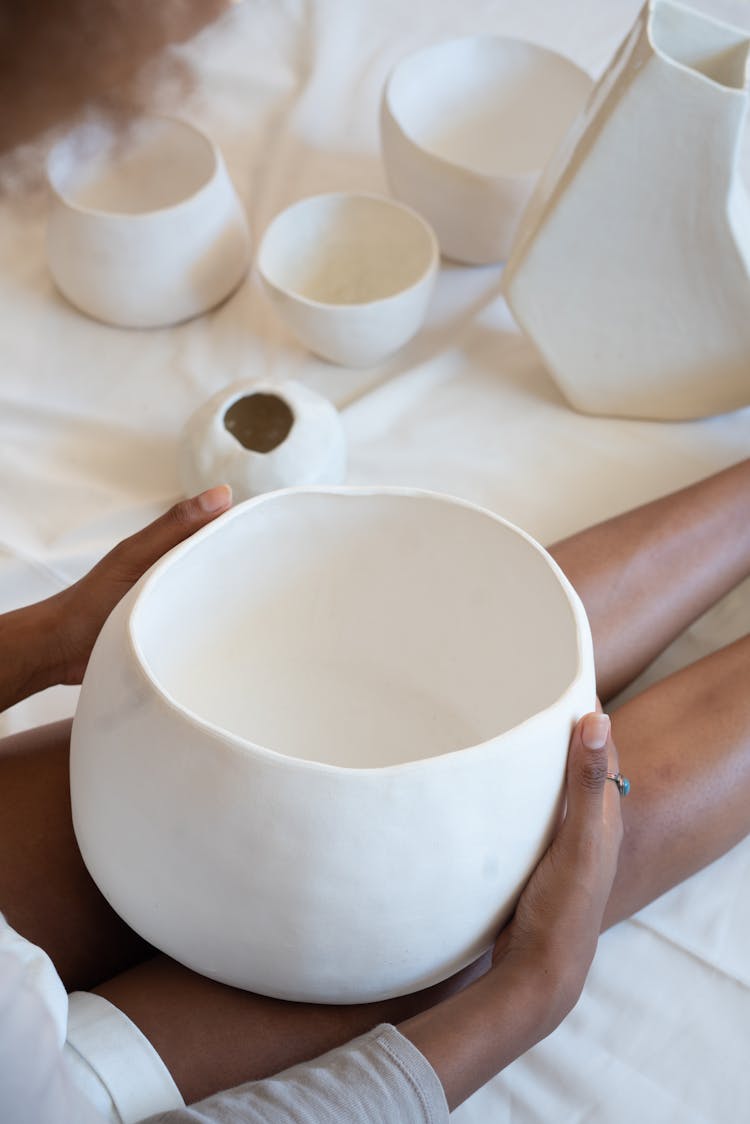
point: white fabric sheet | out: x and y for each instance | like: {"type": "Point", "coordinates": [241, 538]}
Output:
{"type": "Point", "coordinates": [90, 416]}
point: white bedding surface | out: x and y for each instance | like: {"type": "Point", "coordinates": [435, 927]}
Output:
{"type": "Point", "coordinates": [90, 415]}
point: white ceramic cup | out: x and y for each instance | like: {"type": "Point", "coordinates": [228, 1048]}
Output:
{"type": "Point", "coordinates": [321, 745]}
{"type": "Point", "coordinates": [145, 228]}
{"type": "Point", "coordinates": [351, 274]}
{"type": "Point", "coordinates": [466, 128]}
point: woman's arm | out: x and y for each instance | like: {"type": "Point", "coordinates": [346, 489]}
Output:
{"type": "Point", "coordinates": [50, 642]}
{"type": "Point", "coordinates": [29, 661]}
{"type": "Point", "coordinates": [542, 957]}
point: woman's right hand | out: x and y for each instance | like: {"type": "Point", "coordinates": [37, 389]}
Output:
{"type": "Point", "coordinates": [542, 956]}
{"type": "Point", "coordinates": [557, 921]}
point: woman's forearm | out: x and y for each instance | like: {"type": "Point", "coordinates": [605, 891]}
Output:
{"type": "Point", "coordinates": [29, 656]}
{"type": "Point", "coordinates": [472, 1036]}
{"type": "Point", "coordinates": [50, 642]}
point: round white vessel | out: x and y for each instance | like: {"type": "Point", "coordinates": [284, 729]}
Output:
{"type": "Point", "coordinates": [261, 436]}
{"type": "Point", "coordinates": [467, 126]}
{"type": "Point", "coordinates": [321, 745]}
{"type": "Point", "coordinates": [145, 228]}
{"type": "Point", "coordinates": [350, 274]}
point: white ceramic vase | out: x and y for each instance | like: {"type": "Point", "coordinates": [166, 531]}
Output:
{"type": "Point", "coordinates": [145, 227]}
{"type": "Point", "coordinates": [631, 272]}
{"type": "Point", "coordinates": [466, 128]}
{"type": "Point", "coordinates": [321, 745]}
{"type": "Point", "coordinates": [261, 436]}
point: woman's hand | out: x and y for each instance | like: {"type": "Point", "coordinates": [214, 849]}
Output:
{"type": "Point", "coordinates": [541, 958]}
{"type": "Point", "coordinates": [51, 642]}
{"type": "Point", "coordinates": [557, 921]}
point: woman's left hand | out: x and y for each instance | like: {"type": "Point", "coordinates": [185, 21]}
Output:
{"type": "Point", "coordinates": [51, 642]}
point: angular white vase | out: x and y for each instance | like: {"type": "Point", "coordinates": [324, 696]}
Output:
{"type": "Point", "coordinates": [321, 745]}
{"type": "Point", "coordinates": [631, 271]}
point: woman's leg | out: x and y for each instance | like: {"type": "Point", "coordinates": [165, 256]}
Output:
{"type": "Point", "coordinates": [46, 892]}
{"type": "Point", "coordinates": [213, 1037]}
{"type": "Point", "coordinates": [646, 575]}
{"type": "Point", "coordinates": [685, 745]}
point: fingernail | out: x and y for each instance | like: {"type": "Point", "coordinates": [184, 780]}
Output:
{"type": "Point", "coordinates": [595, 731]}
{"type": "Point", "coordinates": [215, 499]}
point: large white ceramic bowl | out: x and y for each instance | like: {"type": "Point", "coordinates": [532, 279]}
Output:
{"type": "Point", "coordinates": [351, 274]}
{"type": "Point", "coordinates": [145, 227]}
{"type": "Point", "coordinates": [466, 128]}
{"type": "Point", "coordinates": [321, 745]}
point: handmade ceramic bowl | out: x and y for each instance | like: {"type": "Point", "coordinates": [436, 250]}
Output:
{"type": "Point", "coordinates": [261, 436]}
{"type": "Point", "coordinates": [467, 126]}
{"type": "Point", "coordinates": [350, 274]}
{"type": "Point", "coordinates": [145, 228]}
{"type": "Point", "coordinates": [321, 745]}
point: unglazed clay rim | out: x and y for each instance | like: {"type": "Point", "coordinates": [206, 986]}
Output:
{"type": "Point", "coordinates": [135, 216]}
{"type": "Point", "coordinates": [456, 166]}
{"type": "Point", "coordinates": [245, 745]}
{"type": "Point", "coordinates": [345, 307]}
{"type": "Point", "coordinates": [698, 76]}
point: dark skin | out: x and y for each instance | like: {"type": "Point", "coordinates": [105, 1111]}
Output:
{"type": "Point", "coordinates": [685, 743]}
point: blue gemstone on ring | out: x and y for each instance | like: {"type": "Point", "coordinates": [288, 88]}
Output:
{"type": "Point", "coordinates": [623, 784]}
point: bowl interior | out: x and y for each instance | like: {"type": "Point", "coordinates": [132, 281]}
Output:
{"type": "Point", "coordinates": [154, 164]}
{"type": "Point", "coordinates": [358, 629]}
{"type": "Point", "coordinates": [346, 249]}
{"type": "Point", "coordinates": [495, 106]}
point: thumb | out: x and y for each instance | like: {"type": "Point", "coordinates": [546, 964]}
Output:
{"type": "Point", "coordinates": [591, 833]}
{"type": "Point", "coordinates": [134, 555]}
{"type": "Point", "coordinates": [592, 754]}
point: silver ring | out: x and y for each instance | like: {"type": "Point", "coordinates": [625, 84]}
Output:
{"type": "Point", "coordinates": [623, 784]}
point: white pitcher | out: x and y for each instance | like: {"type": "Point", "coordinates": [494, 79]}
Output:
{"type": "Point", "coordinates": [631, 270]}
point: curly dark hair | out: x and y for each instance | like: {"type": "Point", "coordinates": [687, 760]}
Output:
{"type": "Point", "coordinates": [58, 55]}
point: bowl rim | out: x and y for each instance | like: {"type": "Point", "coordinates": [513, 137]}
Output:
{"type": "Point", "coordinates": [244, 745]}
{"type": "Point", "coordinates": [135, 216]}
{"type": "Point", "coordinates": [346, 308]}
{"type": "Point", "coordinates": [455, 165]}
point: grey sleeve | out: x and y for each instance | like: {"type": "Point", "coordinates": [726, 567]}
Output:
{"type": "Point", "coordinates": [376, 1079]}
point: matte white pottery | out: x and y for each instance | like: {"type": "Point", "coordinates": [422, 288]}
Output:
{"type": "Point", "coordinates": [466, 128]}
{"type": "Point", "coordinates": [631, 273]}
{"type": "Point", "coordinates": [321, 745]}
{"type": "Point", "coordinates": [145, 229]}
{"type": "Point", "coordinates": [350, 274]}
{"type": "Point", "coordinates": [261, 436]}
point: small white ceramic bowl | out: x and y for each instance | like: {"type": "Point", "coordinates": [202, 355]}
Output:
{"type": "Point", "coordinates": [145, 227]}
{"type": "Point", "coordinates": [466, 128]}
{"type": "Point", "coordinates": [321, 745]}
{"type": "Point", "coordinates": [350, 274]}
{"type": "Point", "coordinates": [261, 436]}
